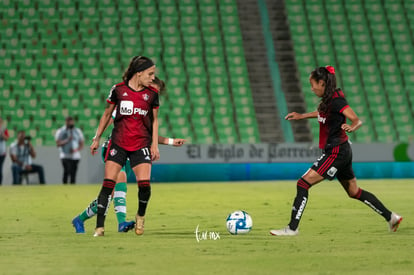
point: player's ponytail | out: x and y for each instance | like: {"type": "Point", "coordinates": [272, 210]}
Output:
{"type": "Point", "coordinates": [327, 74]}
{"type": "Point", "coordinates": [137, 64]}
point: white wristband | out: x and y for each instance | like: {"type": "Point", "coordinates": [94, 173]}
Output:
{"type": "Point", "coordinates": [170, 141]}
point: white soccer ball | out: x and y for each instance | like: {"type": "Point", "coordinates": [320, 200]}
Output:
{"type": "Point", "coordinates": [239, 222]}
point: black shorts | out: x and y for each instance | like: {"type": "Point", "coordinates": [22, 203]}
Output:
{"type": "Point", "coordinates": [120, 155]}
{"type": "Point", "coordinates": [335, 162]}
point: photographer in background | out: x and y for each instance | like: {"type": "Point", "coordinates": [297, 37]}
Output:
{"type": "Point", "coordinates": [4, 136]}
{"type": "Point", "coordinates": [70, 141]}
{"type": "Point", "coordinates": [21, 153]}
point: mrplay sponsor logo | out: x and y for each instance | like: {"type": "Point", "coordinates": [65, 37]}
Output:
{"type": "Point", "coordinates": [127, 109]}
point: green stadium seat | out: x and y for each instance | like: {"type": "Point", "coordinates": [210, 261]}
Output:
{"type": "Point", "coordinates": [178, 122]}
{"type": "Point", "coordinates": [181, 110]}
{"type": "Point", "coordinates": [163, 130]}
{"type": "Point", "coordinates": [382, 119]}
{"type": "Point", "coordinates": [249, 135]}
{"type": "Point", "coordinates": [200, 101]}
{"type": "Point", "coordinates": [406, 136]}
{"type": "Point", "coordinates": [364, 136]}
{"type": "Point", "coordinates": [185, 132]}
{"type": "Point", "coordinates": [203, 133]}
{"type": "Point", "coordinates": [386, 134]}
{"type": "Point", "coordinates": [227, 135]}
{"type": "Point", "coordinates": [205, 138]}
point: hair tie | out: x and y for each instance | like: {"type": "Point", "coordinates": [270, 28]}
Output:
{"type": "Point", "coordinates": [330, 69]}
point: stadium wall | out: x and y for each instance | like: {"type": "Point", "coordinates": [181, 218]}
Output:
{"type": "Point", "coordinates": [239, 162]}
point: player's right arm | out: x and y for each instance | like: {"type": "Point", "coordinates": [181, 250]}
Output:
{"type": "Point", "coordinates": [297, 116]}
{"type": "Point", "coordinates": [109, 123]}
{"type": "Point", "coordinates": [171, 141]}
{"type": "Point", "coordinates": [103, 124]}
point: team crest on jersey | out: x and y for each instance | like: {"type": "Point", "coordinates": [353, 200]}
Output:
{"type": "Point", "coordinates": [113, 152]}
{"type": "Point", "coordinates": [145, 97]}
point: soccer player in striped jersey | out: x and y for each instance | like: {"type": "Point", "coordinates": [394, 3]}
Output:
{"type": "Point", "coordinates": [336, 160]}
{"type": "Point", "coordinates": [134, 136]}
{"type": "Point", "coordinates": [120, 190]}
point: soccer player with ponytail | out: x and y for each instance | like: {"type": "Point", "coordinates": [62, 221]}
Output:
{"type": "Point", "coordinates": [134, 136]}
{"type": "Point", "coordinates": [119, 194]}
{"type": "Point", "coordinates": [336, 160]}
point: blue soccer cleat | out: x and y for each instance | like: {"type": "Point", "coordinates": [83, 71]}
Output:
{"type": "Point", "coordinates": [126, 226]}
{"type": "Point", "coordinates": [78, 224]}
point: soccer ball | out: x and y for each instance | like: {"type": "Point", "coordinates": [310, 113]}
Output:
{"type": "Point", "coordinates": [239, 222]}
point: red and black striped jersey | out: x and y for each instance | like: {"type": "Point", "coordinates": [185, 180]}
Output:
{"type": "Point", "coordinates": [330, 131]}
{"type": "Point", "coordinates": [134, 116]}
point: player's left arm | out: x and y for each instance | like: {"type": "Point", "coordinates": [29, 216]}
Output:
{"type": "Point", "coordinates": [355, 121]}
{"type": "Point", "coordinates": [155, 153]}
{"type": "Point", "coordinates": [111, 121]}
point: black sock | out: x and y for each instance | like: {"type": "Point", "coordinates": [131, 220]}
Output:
{"type": "Point", "coordinates": [373, 202]}
{"type": "Point", "coordinates": [104, 198]}
{"type": "Point", "coordinates": [144, 194]}
{"type": "Point", "coordinates": [299, 203]}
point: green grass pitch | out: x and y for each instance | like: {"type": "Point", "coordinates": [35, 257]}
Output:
{"type": "Point", "coordinates": [338, 235]}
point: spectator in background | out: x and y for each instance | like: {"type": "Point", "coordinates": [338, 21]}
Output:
{"type": "Point", "coordinates": [4, 136]}
{"type": "Point", "coordinates": [70, 141]}
{"type": "Point", "coordinates": [21, 153]}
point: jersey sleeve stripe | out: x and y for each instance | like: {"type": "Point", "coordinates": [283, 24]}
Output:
{"type": "Point", "coordinates": [110, 102]}
{"type": "Point", "coordinates": [343, 109]}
